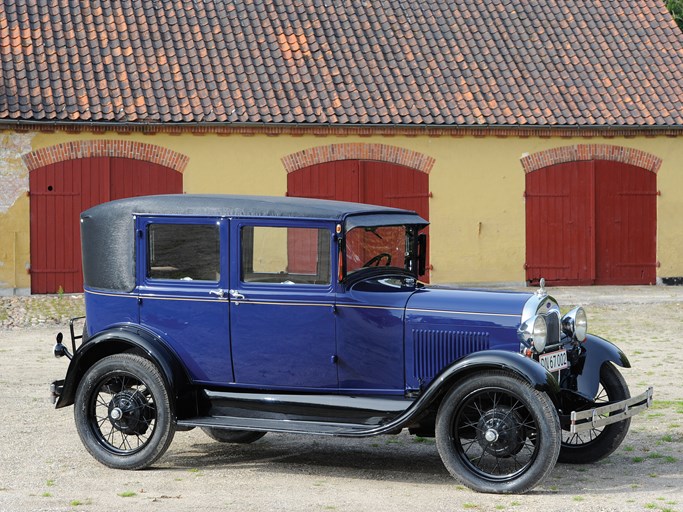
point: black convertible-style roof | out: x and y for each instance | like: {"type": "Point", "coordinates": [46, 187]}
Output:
{"type": "Point", "coordinates": [238, 206]}
{"type": "Point", "coordinates": [108, 232]}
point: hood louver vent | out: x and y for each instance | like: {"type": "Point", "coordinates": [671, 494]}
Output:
{"type": "Point", "coordinates": [435, 349]}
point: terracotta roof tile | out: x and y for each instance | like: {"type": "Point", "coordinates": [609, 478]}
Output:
{"type": "Point", "coordinates": [542, 62]}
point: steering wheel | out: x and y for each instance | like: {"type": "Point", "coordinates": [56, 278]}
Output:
{"type": "Point", "coordinates": [375, 260]}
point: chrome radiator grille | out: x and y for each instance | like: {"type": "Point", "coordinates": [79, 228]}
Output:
{"type": "Point", "coordinates": [552, 320]}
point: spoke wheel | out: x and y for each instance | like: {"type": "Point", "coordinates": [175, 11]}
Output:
{"type": "Point", "coordinates": [225, 435]}
{"type": "Point", "coordinates": [122, 412]}
{"type": "Point", "coordinates": [598, 443]}
{"type": "Point", "coordinates": [495, 433]}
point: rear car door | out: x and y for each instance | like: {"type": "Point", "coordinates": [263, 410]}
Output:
{"type": "Point", "coordinates": [182, 264]}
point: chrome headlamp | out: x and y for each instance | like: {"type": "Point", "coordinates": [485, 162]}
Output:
{"type": "Point", "coordinates": [575, 324]}
{"type": "Point", "coordinates": [534, 332]}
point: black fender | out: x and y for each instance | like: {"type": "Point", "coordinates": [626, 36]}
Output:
{"type": "Point", "coordinates": [527, 369]}
{"type": "Point", "coordinates": [594, 353]}
{"type": "Point", "coordinates": [125, 338]}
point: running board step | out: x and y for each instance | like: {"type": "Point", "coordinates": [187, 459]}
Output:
{"type": "Point", "coordinates": [282, 425]}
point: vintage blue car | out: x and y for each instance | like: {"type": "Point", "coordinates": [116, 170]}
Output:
{"type": "Point", "coordinates": [247, 315]}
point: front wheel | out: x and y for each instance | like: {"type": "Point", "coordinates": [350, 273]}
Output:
{"type": "Point", "coordinates": [497, 434]}
{"type": "Point", "coordinates": [597, 443]}
{"type": "Point", "coordinates": [123, 413]}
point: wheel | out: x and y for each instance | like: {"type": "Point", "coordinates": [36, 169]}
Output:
{"type": "Point", "coordinates": [497, 434]}
{"type": "Point", "coordinates": [378, 258]}
{"type": "Point", "coordinates": [225, 435]}
{"type": "Point", "coordinates": [123, 413]}
{"type": "Point", "coordinates": [598, 443]}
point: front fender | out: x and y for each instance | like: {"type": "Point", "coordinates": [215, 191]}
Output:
{"type": "Point", "coordinates": [120, 339]}
{"type": "Point", "coordinates": [528, 369]}
{"type": "Point", "coordinates": [596, 351]}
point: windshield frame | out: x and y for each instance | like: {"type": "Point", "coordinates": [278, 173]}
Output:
{"type": "Point", "coordinates": [410, 256]}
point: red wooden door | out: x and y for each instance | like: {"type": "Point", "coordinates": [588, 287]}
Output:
{"type": "Point", "coordinates": [626, 220]}
{"type": "Point", "coordinates": [60, 192]}
{"type": "Point", "coordinates": [362, 181]}
{"type": "Point", "coordinates": [591, 222]}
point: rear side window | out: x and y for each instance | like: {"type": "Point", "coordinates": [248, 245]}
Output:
{"type": "Point", "coordinates": [285, 255]}
{"type": "Point", "coordinates": [184, 252]}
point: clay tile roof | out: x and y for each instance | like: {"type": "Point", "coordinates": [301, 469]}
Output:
{"type": "Point", "coordinates": [427, 62]}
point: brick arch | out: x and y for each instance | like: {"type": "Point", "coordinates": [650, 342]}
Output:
{"type": "Point", "coordinates": [579, 152]}
{"type": "Point", "coordinates": [358, 151]}
{"type": "Point", "coordinates": [105, 148]}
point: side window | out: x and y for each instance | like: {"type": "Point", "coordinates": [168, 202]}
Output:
{"type": "Point", "coordinates": [185, 252]}
{"type": "Point", "coordinates": [285, 255]}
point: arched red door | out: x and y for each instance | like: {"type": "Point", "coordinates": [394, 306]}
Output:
{"type": "Point", "coordinates": [591, 222]}
{"type": "Point", "coordinates": [363, 181]}
{"type": "Point", "coordinates": [59, 192]}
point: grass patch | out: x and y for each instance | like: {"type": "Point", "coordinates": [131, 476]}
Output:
{"type": "Point", "coordinates": [127, 494]}
{"type": "Point", "coordinates": [47, 495]}
{"type": "Point", "coordinates": [76, 503]}
{"type": "Point", "coordinates": [577, 498]}
{"type": "Point", "coordinates": [420, 439]}
{"type": "Point", "coordinates": [469, 506]}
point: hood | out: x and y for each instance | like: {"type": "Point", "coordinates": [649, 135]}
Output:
{"type": "Point", "coordinates": [454, 300]}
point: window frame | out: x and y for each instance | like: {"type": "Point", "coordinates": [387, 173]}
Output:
{"type": "Point", "coordinates": [237, 254]}
{"type": "Point", "coordinates": [143, 224]}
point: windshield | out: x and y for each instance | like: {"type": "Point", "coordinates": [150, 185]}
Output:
{"type": "Point", "coordinates": [378, 246]}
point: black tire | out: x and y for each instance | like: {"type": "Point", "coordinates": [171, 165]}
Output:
{"type": "Point", "coordinates": [225, 435]}
{"type": "Point", "coordinates": [598, 443]}
{"type": "Point", "coordinates": [123, 413]}
{"type": "Point", "coordinates": [495, 433]}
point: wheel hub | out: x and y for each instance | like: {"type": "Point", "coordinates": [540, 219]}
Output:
{"type": "Point", "coordinates": [500, 432]}
{"type": "Point", "coordinates": [130, 412]}
{"type": "Point", "coordinates": [491, 435]}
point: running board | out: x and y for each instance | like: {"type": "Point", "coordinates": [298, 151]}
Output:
{"type": "Point", "coordinates": [285, 426]}
{"type": "Point", "coordinates": [335, 415]}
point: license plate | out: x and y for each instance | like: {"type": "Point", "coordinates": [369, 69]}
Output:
{"type": "Point", "coordinates": [554, 361]}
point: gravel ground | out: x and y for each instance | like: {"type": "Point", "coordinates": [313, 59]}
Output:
{"type": "Point", "coordinates": [45, 467]}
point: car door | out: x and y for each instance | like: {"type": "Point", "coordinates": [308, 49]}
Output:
{"type": "Point", "coordinates": [182, 264]}
{"type": "Point", "coordinates": [282, 304]}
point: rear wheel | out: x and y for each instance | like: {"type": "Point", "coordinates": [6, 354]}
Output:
{"type": "Point", "coordinates": [123, 413]}
{"type": "Point", "coordinates": [225, 435]}
{"type": "Point", "coordinates": [497, 434]}
{"type": "Point", "coordinates": [597, 443]}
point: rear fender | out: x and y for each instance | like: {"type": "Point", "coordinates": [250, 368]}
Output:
{"type": "Point", "coordinates": [121, 339]}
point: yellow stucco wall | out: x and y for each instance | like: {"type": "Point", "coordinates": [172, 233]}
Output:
{"type": "Point", "coordinates": [477, 209]}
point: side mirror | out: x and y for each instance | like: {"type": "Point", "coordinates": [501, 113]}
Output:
{"type": "Point", "coordinates": [421, 254]}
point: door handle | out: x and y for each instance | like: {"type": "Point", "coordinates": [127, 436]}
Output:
{"type": "Point", "coordinates": [235, 295]}
{"type": "Point", "coordinates": [218, 293]}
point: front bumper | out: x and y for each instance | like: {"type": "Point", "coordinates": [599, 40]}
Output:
{"type": "Point", "coordinates": [607, 414]}
{"type": "Point", "coordinates": [56, 389]}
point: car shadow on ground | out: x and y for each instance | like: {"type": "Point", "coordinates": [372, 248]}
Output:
{"type": "Point", "coordinates": [407, 459]}
{"type": "Point", "coordinates": [391, 458]}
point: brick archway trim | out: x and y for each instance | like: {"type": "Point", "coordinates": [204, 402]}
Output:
{"type": "Point", "coordinates": [563, 154]}
{"type": "Point", "coordinates": [358, 151]}
{"type": "Point", "coordinates": [112, 148]}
